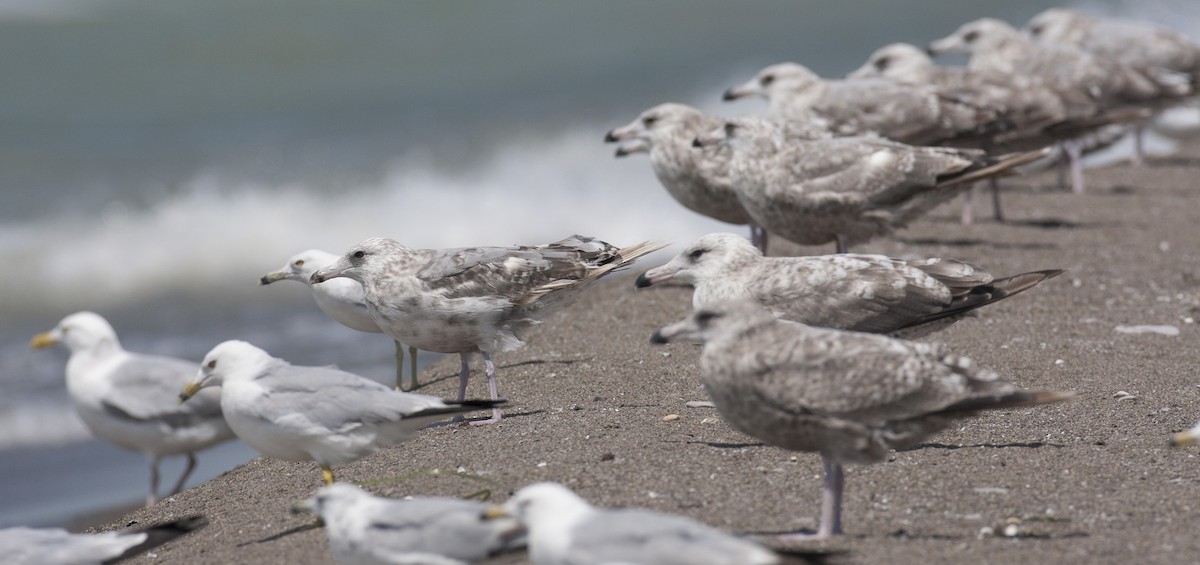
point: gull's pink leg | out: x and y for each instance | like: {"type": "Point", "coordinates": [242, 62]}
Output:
{"type": "Point", "coordinates": [1139, 148]}
{"type": "Point", "coordinates": [968, 211]}
{"type": "Point", "coordinates": [997, 211]}
{"type": "Point", "coordinates": [490, 370]}
{"type": "Point", "coordinates": [831, 506]}
{"type": "Point", "coordinates": [1075, 153]}
{"type": "Point", "coordinates": [187, 471]}
{"type": "Point", "coordinates": [153, 496]}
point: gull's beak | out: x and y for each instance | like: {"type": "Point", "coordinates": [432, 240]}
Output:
{"type": "Point", "coordinates": [189, 391]}
{"type": "Point", "coordinates": [714, 137]}
{"type": "Point", "coordinates": [657, 275]}
{"type": "Point", "coordinates": [42, 341]}
{"type": "Point", "coordinates": [1182, 438]}
{"type": "Point", "coordinates": [273, 276]}
{"type": "Point", "coordinates": [324, 275]}
{"type": "Point", "coordinates": [950, 44]}
{"type": "Point", "coordinates": [623, 133]}
{"type": "Point", "coordinates": [748, 88]}
{"type": "Point", "coordinates": [495, 513]}
{"type": "Point", "coordinates": [865, 71]}
{"type": "Point", "coordinates": [631, 147]}
{"type": "Point", "coordinates": [683, 329]}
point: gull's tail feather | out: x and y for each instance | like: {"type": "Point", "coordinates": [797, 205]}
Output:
{"type": "Point", "coordinates": [1017, 399]}
{"type": "Point", "coordinates": [1002, 165]}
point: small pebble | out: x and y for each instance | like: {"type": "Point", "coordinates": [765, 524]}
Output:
{"type": "Point", "coordinates": [607, 457]}
{"type": "Point", "coordinates": [1122, 395]}
{"type": "Point", "coordinates": [1012, 530]}
{"type": "Point", "coordinates": [699, 404]}
{"type": "Point", "coordinates": [710, 420]}
{"type": "Point", "coordinates": [670, 417]}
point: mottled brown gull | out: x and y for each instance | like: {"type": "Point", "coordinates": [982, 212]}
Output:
{"type": "Point", "coordinates": [564, 529]}
{"type": "Point", "coordinates": [477, 298]}
{"type": "Point", "coordinates": [128, 399]}
{"type": "Point", "coordinates": [867, 293]}
{"type": "Point", "coordinates": [342, 300]}
{"type": "Point", "coordinates": [319, 414]}
{"type": "Point", "coordinates": [698, 178]}
{"type": "Point", "coordinates": [908, 113]}
{"type": "Point", "coordinates": [847, 189]}
{"type": "Point", "coordinates": [850, 396]}
{"type": "Point", "coordinates": [364, 529]}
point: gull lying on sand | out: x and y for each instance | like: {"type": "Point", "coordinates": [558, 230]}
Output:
{"type": "Point", "coordinates": [845, 189]}
{"type": "Point", "coordinates": [477, 298]}
{"type": "Point", "coordinates": [341, 300]}
{"type": "Point", "coordinates": [565, 530]}
{"type": "Point", "coordinates": [365, 529]}
{"type": "Point", "coordinates": [867, 293]}
{"type": "Point", "coordinates": [313, 413]}
{"type": "Point", "coordinates": [128, 399]}
{"type": "Point", "coordinates": [850, 396]}
{"type": "Point", "coordinates": [56, 546]}
{"type": "Point", "coordinates": [697, 178]}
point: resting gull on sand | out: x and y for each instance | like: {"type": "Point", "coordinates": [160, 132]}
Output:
{"type": "Point", "coordinates": [365, 529]}
{"type": "Point", "coordinates": [342, 300]}
{"type": "Point", "coordinates": [907, 113]}
{"type": "Point", "coordinates": [128, 399]}
{"type": "Point", "coordinates": [850, 396]}
{"type": "Point", "coordinates": [564, 529]}
{"type": "Point", "coordinates": [867, 293]}
{"type": "Point", "coordinates": [320, 414]}
{"type": "Point", "coordinates": [56, 546]}
{"type": "Point", "coordinates": [698, 178]}
{"type": "Point", "coordinates": [844, 189]}
{"type": "Point", "coordinates": [476, 298]}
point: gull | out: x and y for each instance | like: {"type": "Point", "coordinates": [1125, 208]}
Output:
{"type": "Point", "coordinates": [850, 396]}
{"type": "Point", "coordinates": [906, 113]}
{"type": "Point", "coordinates": [476, 298]}
{"type": "Point", "coordinates": [56, 546]}
{"type": "Point", "coordinates": [365, 529]}
{"type": "Point", "coordinates": [1087, 84]}
{"type": "Point", "coordinates": [867, 293]}
{"type": "Point", "coordinates": [341, 300]}
{"type": "Point", "coordinates": [844, 189]}
{"type": "Point", "coordinates": [128, 399]}
{"type": "Point", "coordinates": [564, 529]}
{"type": "Point", "coordinates": [698, 178]}
{"type": "Point", "coordinates": [320, 414]}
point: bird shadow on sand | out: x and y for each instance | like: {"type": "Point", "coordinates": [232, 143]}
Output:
{"type": "Point", "coordinates": [290, 531]}
{"type": "Point", "coordinates": [437, 377]}
{"type": "Point", "coordinates": [723, 445]}
{"type": "Point", "coordinates": [1026, 445]}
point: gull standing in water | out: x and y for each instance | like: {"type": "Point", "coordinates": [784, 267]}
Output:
{"type": "Point", "coordinates": [476, 298]}
{"type": "Point", "coordinates": [342, 300]}
{"type": "Point", "coordinates": [128, 399]}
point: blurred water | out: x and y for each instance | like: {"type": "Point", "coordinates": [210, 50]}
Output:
{"type": "Point", "coordinates": [156, 158]}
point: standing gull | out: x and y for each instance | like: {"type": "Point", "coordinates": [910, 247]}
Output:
{"type": "Point", "coordinates": [341, 300]}
{"type": "Point", "coordinates": [476, 298]}
{"type": "Point", "coordinates": [697, 178]}
{"type": "Point", "coordinates": [845, 189]}
{"type": "Point", "coordinates": [365, 529]}
{"type": "Point", "coordinates": [56, 546]}
{"type": "Point", "coordinates": [320, 414]}
{"type": "Point", "coordinates": [564, 529]}
{"type": "Point", "coordinates": [128, 399]}
{"type": "Point", "coordinates": [867, 293]}
{"type": "Point", "coordinates": [850, 396]}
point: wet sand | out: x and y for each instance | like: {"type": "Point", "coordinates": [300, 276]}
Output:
{"type": "Point", "coordinates": [1087, 481]}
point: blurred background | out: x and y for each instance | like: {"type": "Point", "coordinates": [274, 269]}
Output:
{"type": "Point", "coordinates": [157, 158]}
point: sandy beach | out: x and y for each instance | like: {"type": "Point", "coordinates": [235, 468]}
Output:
{"type": "Point", "coordinates": [1090, 481]}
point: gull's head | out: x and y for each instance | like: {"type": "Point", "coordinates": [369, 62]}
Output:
{"type": "Point", "coordinates": [229, 360]}
{"type": "Point", "coordinates": [331, 500]}
{"type": "Point", "coordinates": [897, 61]}
{"type": "Point", "coordinates": [710, 257]}
{"type": "Point", "coordinates": [975, 36]}
{"type": "Point", "coordinates": [81, 331]}
{"type": "Point", "coordinates": [658, 124]}
{"type": "Point", "coordinates": [1057, 25]}
{"type": "Point", "coordinates": [541, 505]}
{"type": "Point", "coordinates": [361, 261]}
{"type": "Point", "coordinates": [300, 267]}
{"type": "Point", "coordinates": [780, 79]}
{"type": "Point", "coordinates": [713, 322]}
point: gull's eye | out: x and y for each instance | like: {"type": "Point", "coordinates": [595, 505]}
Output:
{"type": "Point", "coordinates": [1035, 30]}
{"type": "Point", "coordinates": [882, 63]}
{"type": "Point", "coordinates": [359, 254]}
{"type": "Point", "coordinates": [212, 364]}
{"type": "Point", "coordinates": [299, 263]}
{"type": "Point", "coordinates": [766, 80]}
{"type": "Point", "coordinates": [971, 36]}
{"type": "Point", "coordinates": [649, 120]}
{"type": "Point", "coordinates": [697, 254]}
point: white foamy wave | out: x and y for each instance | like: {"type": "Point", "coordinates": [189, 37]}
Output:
{"type": "Point", "coordinates": [217, 237]}
{"type": "Point", "coordinates": [40, 423]}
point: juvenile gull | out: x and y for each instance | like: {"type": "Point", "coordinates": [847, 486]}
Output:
{"type": "Point", "coordinates": [564, 529]}
{"type": "Point", "coordinates": [320, 414]}
{"type": "Point", "coordinates": [56, 546]}
{"type": "Point", "coordinates": [342, 300]}
{"type": "Point", "coordinates": [476, 298]}
{"type": "Point", "coordinates": [867, 293]}
{"type": "Point", "coordinates": [907, 113]}
{"type": "Point", "coordinates": [698, 178]}
{"type": "Point", "coordinates": [365, 529]}
{"type": "Point", "coordinates": [128, 399]}
{"type": "Point", "coordinates": [845, 189]}
{"type": "Point", "coordinates": [850, 396]}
